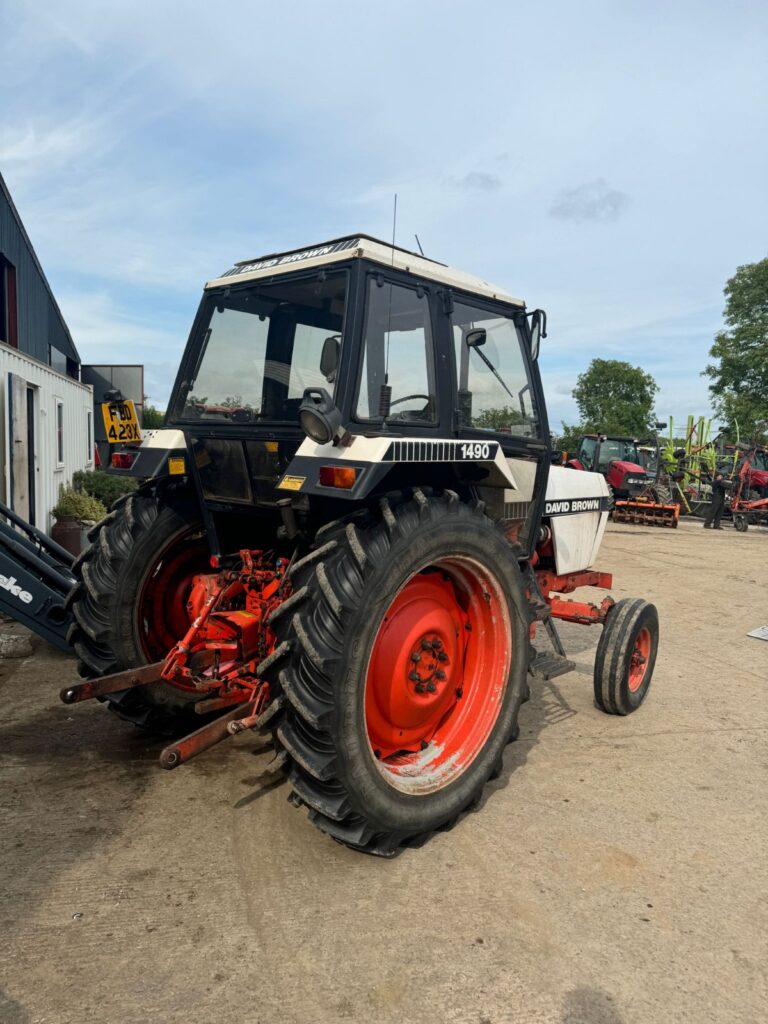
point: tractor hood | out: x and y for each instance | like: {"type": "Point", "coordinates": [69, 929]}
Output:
{"type": "Point", "coordinates": [627, 467]}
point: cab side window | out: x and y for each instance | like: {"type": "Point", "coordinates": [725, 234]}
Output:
{"type": "Point", "coordinates": [397, 351]}
{"type": "Point", "coordinates": [494, 390]}
{"type": "Point", "coordinates": [586, 454]}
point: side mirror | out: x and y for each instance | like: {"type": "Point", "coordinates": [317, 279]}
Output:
{"type": "Point", "coordinates": [476, 338]}
{"type": "Point", "coordinates": [538, 331]}
{"type": "Point", "coordinates": [329, 357]}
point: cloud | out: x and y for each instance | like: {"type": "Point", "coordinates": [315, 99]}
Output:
{"type": "Point", "coordinates": [480, 181]}
{"type": "Point", "coordinates": [108, 332]}
{"type": "Point", "coordinates": [594, 200]}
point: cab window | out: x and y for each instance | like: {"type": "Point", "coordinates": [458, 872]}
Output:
{"type": "Point", "coordinates": [587, 452]}
{"type": "Point", "coordinates": [494, 391]}
{"type": "Point", "coordinates": [398, 351]}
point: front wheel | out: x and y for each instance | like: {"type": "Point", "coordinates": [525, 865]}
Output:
{"type": "Point", "coordinates": [740, 523]}
{"type": "Point", "coordinates": [626, 656]}
{"type": "Point", "coordinates": [400, 665]}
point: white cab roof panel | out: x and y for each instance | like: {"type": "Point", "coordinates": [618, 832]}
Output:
{"type": "Point", "coordinates": [361, 247]}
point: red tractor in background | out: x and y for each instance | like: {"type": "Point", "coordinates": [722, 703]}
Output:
{"type": "Point", "coordinates": [633, 496]}
{"type": "Point", "coordinates": [617, 459]}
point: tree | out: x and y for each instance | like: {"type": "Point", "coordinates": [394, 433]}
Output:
{"type": "Point", "coordinates": [568, 438]}
{"type": "Point", "coordinates": [739, 373]}
{"type": "Point", "coordinates": [615, 397]}
{"type": "Point", "coordinates": [152, 418]}
{"type": "Point", "coordinates": [498, 419]}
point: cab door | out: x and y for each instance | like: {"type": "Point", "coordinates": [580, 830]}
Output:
{"type": "Point", "coordinates": [498, 395]}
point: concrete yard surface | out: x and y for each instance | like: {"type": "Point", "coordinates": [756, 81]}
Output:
{"type": "Point", "coordinates": [616, 874]}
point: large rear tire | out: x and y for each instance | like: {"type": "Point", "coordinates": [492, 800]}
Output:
{"type": "Point", "coordinates": [129, 604]}
{"type": "Point", "coordinates": [398, 671]}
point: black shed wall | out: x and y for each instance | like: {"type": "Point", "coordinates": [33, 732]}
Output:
{"type": "Point", "coordinates": [40, 322]}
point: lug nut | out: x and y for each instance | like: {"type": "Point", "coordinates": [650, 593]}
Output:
{"type": "Point", "coordinates": [437, 645]}
{"type": "Point", "coordinates": [426, 645]}
{"type": "Point", "coordinates": [416, 657]}
{"type": "Point", "coordinates": [442, 656]}
{"type": "Point", "coordinates": [414, 677]}
{"type": "Point", "coordinates": [439, 674]}
{"type": "Point", "coordinates": [431, 688]}
{"type": "Point", "coordinates": [419, 687]}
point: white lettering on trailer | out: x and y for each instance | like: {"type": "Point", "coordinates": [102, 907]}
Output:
{"type": "Point", "coordinates": [9, 583]}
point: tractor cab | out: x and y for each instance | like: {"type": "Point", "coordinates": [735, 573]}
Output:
{"type": "Point", "coordinates": [321, 376]}
{"type": "Point", "coordinates": [618, 459]}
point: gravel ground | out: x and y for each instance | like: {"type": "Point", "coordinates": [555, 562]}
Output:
{"type": "Point", "coordinates": [616, 873]}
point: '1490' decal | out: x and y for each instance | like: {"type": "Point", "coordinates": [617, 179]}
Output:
{"type": "Point", "coordinates": [475, 450]}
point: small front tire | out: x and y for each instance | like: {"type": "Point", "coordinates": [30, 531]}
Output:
{"type": "Point", "coordinates": [626, 656]}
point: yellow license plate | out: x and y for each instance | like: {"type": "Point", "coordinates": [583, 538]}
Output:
{"type": "Point", "coordinates": [120, 421]}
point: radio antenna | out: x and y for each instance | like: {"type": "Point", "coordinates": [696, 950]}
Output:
{"type": "Point", "coordinates": [419, 244]}
{"type": "Point", "coordinates": [394, 228]}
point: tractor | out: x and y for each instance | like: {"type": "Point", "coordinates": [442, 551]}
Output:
{"type": "Point", "coordinates": [634, 496]}
{"type": "Point", "coordinates": [619, 460]}
{"type": "Point", "coordinates": [349, 536]}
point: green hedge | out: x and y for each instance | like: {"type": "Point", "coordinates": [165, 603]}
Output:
{"type": "Point", "coordinates": [76, 504]}
{"type": "Point", "coordinates": [103, 486]}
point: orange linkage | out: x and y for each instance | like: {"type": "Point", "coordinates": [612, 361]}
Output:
{"type": "Point", "coordinates": [229, 635]}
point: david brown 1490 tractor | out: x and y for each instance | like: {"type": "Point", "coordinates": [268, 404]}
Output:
{"type": "Point", "coordinates": [330, 545]}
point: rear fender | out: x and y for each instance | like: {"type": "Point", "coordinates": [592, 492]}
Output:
{"type": "Point", "coordinates": [161, 453]}
{"type": "Point", "coordinates": [412, 460]}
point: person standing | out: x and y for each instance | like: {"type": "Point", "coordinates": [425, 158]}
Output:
{"type": "Point", "coordinates": [717, 505]}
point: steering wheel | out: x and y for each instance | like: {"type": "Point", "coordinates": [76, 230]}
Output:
{"type": "Point", "coordinates": [407, 398]}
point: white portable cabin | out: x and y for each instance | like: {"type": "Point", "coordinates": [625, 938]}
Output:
{"type": "Point", "coordinates": [46, 434]}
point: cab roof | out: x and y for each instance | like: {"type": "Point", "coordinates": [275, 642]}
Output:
{"type": "Point", "coordinates": [362, 247]}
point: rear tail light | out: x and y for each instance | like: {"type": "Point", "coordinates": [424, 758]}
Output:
{"type": "Point", "coordinates": [338, 476]}
{"type": "Point", "coordinates": [96, 456]}
{"type": "Point", "coordinates": [122, 460]}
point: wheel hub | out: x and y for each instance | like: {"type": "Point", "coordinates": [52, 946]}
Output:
{"type": "Point", "coordinates": [639, 660]}
{"type": "Point", "coordinates": [437, 674]}
{"type": "Point", "coordinates": [430, 665]}
{"type": "Point", "coordinates": [411, 681]}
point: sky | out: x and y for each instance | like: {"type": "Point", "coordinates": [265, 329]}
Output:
{"type": "Point", "coordinates": [605, 161]}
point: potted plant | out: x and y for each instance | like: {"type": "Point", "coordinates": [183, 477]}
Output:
{"type": "Point", "coordinates": [75, 513]}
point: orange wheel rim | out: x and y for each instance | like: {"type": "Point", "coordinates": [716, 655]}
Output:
{"type": "Point", "coordinates": [437, 675]}
{"type": "Point", "coordinates": [638, 665]}
{"type": "Point", "coordinates": [162, 604]}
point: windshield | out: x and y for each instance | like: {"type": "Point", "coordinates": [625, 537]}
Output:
{"type": "Point", "coordinates": [262, 347]}
{"type": "Point", "coordinates": [494, 384]}
{"type": "Point", "coordinates": [625, 451]}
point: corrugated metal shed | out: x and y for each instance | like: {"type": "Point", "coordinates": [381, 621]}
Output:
{"type": "Point", "coordinates": [40, 323]}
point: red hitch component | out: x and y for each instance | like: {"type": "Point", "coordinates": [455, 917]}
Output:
{"type": "Point", "coordinates": [550, 585]}
{"type": "Point", "coordinates": [111, 684]}
{"type": "Point", "coordinates": [219, 654]}
{"type": "Point", "coordinates": [217, 657]}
